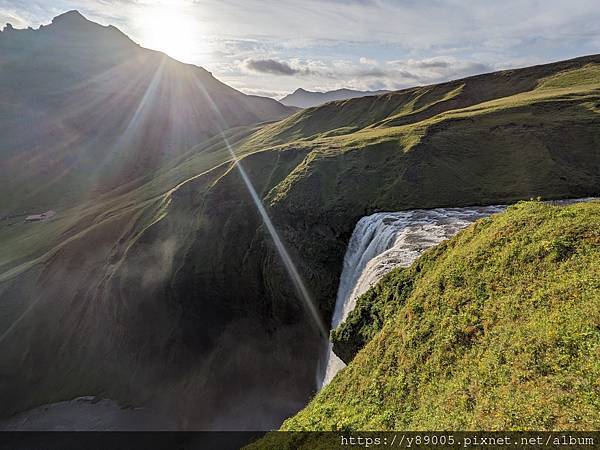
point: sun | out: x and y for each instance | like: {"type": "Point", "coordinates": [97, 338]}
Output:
{"type": "Point", "coordinates": [170, 30]}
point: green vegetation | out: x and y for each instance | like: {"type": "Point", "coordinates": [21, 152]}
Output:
{"type": "Point", "coordinates": [495, 329]}
{"type": "Point", "coordinates": [372, 309]}
{"type": "Point", "coordinates": [588, 75]}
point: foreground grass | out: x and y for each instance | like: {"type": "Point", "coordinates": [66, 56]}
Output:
{"type": "Point", "coordinates": [496, 329]}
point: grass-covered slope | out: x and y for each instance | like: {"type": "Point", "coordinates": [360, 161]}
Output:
{"type": "Point", "coordinates": [423, 102]}
{"type": "Point", "coordinates": [538, 142]}
{"type": "Point", "coordinates": [499, 328]}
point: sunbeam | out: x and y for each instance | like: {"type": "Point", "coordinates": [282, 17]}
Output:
{"type": "Point", "coordinates": [168, 28]}
{"type": "Point", "coordinates": [279, 245]}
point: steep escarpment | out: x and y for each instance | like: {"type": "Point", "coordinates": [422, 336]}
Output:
{"type": "Point", "coordinates": [171, 289]}
{"type": "Point", "coordinates": [478, 332]}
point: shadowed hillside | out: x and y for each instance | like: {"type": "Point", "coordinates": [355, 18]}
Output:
{"type": "Point", "coordinates": [88, 110]}
{"type": "Point", "coordinates": [171, 290]}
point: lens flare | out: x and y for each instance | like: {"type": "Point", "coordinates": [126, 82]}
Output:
{"type": "Point", "coordinates": [279, 245]}
{"type": "Point", "coordinates": [169, 29]}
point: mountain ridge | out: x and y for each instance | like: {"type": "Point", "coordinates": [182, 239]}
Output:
{"type": "Point", "coordinates": [409, 105]}
{"type": "Point", "coordinates": [302, 98]}
{"type": "Point", "coordinates": [124, 109]}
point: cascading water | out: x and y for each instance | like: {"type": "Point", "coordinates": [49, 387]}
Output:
{"type": "Point", "coordinates": [383, 241]}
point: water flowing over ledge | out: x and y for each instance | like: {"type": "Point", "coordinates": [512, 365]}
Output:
{"type": "Point", "coordinates": [382, 241]}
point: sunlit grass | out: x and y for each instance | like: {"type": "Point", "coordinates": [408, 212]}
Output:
{"type": "Point", "coordinates": [496, 329]}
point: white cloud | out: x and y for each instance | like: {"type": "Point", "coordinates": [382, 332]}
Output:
{"type": "Point", "coordinates": [367, 61]}
{"type": "Point", "coordinates": [274, 67]}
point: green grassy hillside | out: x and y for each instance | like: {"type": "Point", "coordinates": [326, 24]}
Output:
{"type": "Point", "coordinates": [474, 149]}
{"type": "Point", "coordinates": [495, 329]}
{"type": "Point", "coordinates": [169, 278]}
{"type": "Point", "coordinates": [420, 103]}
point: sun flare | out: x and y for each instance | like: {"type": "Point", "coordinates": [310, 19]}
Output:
{"type": "Point", "coordinates": [170, 30]}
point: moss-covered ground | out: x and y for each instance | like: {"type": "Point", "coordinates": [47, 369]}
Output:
{"type": "Point", "coordinates": [495, 329]}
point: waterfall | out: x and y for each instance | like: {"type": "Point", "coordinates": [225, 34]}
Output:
{"type": "Point", "coordinates": [383, 241]}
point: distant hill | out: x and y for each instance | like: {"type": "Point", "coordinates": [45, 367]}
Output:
{"type": "Point", "coordinates": [83, 105]}
{"type": "Point", "coordinates": [307, 99]}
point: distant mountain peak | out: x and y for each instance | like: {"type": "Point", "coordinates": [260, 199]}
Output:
{"type": "Point", "coordinates": [301, 98]}
{"type": "Point", "coordinates": [70, 17]}
{"type": "Point", "coordinates": [75, 27]}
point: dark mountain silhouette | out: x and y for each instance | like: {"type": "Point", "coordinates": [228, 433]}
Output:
{"type": "Point", "coordinates": [85, 107]}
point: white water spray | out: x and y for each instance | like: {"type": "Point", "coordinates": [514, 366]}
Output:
{"type": "Point", "coordinates": [383, 241]}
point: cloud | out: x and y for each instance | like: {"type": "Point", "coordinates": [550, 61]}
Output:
{"type": "Point", "coordinates": [367, 61]}
{"type": "Point", "coordinates": [435, 70]}
{"type": "Point", "coordinates": [324, 75]}
{"type": "Point", "coordinates": [374, 72]}
{"type": "Point", "coordinates": [273, 67]}
{"type": "Point", "coordinates": [430, 63]}
{"type": "Point", "coordinates": [263, 92]}
{"type": "Point", "coordinates": [383, 44]}
{"type": "Point", "coordinates": [395, 74]}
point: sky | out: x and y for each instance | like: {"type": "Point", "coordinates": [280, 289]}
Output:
{"type": "Point", "coordinates": [272, 48]}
